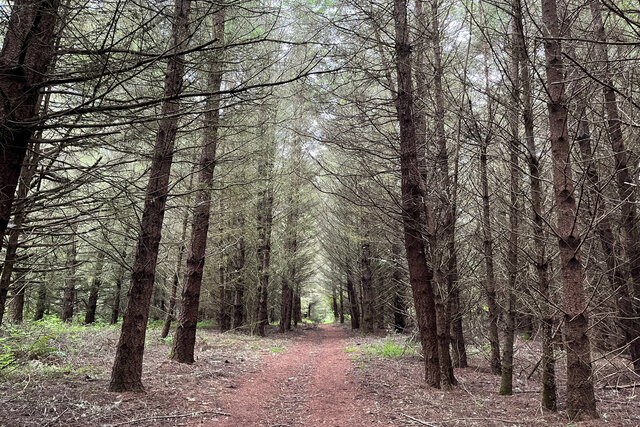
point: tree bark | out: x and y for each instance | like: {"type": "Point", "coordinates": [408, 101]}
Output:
{"type": "Point", "coordinates": [580, 394]}
{"type": "Point", "coordinates": [185, 339]}
{"type": "Point", "coordinates": [115, 308]}
{"type": "Point", "coordinates": [41, 301]}
{"type": "Point", "coordinates": [506, 380]}
{"type": "Point", "coordinates": [175, 284]}
{"type": "Point", "coordinates": [26, 175]}
{"type": "Point", "coordinates": [127, 369]}
{"type": "Point", "coordinates": [264, 221]}
{"type": "Point", "coordinates": [341, 296]}
{"type": "Point", "coordinates": [624, 181]}
{"type": "Point", "coordinates": [399, 296]}
{"type": "Point", "coordinates": [96, 284]}
{"type": "Point", "coordinates": [420, 273]}
{"type": "Point", "coordinates": [27, 52]}
{"type": "Point", "coordinates": [68, 299]}
{"type": "Point", "coordinates": [354, 311]}
{"type": "Point", "coordinates": [17, 304]}
{"type": "Point", "coordinates": [366, 280]}
{"type": "Point", "coordinates": [541, 261]}
{"type": "Point", "coordinates": [627, 317]}
{"type": "Point", "coordinates": [490, 280]}
{"type": "Point", "coordinates": [238, 278]}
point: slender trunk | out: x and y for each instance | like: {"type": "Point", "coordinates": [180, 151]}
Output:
{"type": "Point", "coordinates": [224, 319]}
{"type": "Point", "coordinates": [490, 280]}
{"type": "Point", "coordinates": [580, 394]}
{"type": "Point", "coordinates": [624, 181]}
{"type": "Point", "coordinates": [289, 281]}
{"type": "Point", "coordinates": [68, 299]}
{"type": "Point", "coordinates": [264, 221]}
{"type": "Point", "coordinates": [457, 331]}
{"type": "Point", "coordinates": [399, 296]}
{"type": "Point", "coordinates": [96, 284]}
{"type": "Point", "coordinates": [285, 306]}
{"type": "Point", "coordinates": [506, 381]}
{"type": "Point", "coordinates": [366, 279]}
{"type": "Point", "coordinates": [27, 52]}
{"type": "Point", "coordinates": [420, 273]}
{"type": "Point", "coordinates": [540, 260]}
{"type": "Point", "coordinates": [41, 301]}
{"type": "Point", "coordinates": [115, 308]}
{"type": "Point", "coordinates": [26, 175]}
{"type": "Point", "coordinates": [17, 304]}
{"type": "Point", "coordinates": [297, 306]}
{"type": "Point", "coordinates": [175, 284]}
{"type": "Point", "coordinates": [185, 338]}
{"type": "Point", "coordinates": [127, 368]}
{"type": "Point", "coordinates": [239, 285]}
{"type": "Point", "coordinates": [353, 303]}
{"type": "Point", "coordinates": [341, 295]}
{"type": "Point", "coordinates": [334, 303]}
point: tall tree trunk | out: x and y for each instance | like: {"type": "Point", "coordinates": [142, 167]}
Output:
{"type": "Point", "coordinates": [115, 308]}
{"type": "Point", "coordinates": [68, 299]}
{"type": "Point", "coordinates": [624, 181]}
{"type": "Point", "coordinates": [448, 204]}
{"type": "Point", "coordinates": [175, 284]}
{"type": "Point", "coordinates": [420, 273]}
{"type": "Point", "coordinates": [285, 305]}
{"type": "Point", "coordinates": [17, 304]}
{"type": "Point", "coordinates": [366, 279]}
{"type": "Point", "coordinates": [580, 394]}
{"type": "Point", "coordinates": [264, 221]}
{"type": "Point", "coordinates": [457, 331]}
{"type": "Point", "coordinates": [96, 284]}
{"type": "Point", "coordinates": [127, 368]}
{"type": "Point", "coordinates": [224, 319]}
{"type": "Point", "coordinates": [506, 380]}
{"type": "Point", "coordinates": [238, 273]}
{"type": "Point", "coordinates": [353, 303]}
{"type": "Point", "coordinates": [26, 175]}
{"type": "Point", "coordinates": [41, 300]}
{"type": "Point", "coordinates": [185, 338]}
{"type": "Point", "coordinates": [341, 296]}
{"type": "Point", "coordinates": [541, 261]}
{"type": "Point", "coordinates": [27, 52]}
{"type": "Point", "coordinates": [290, 280]}
{"type": "Point", "coordinates": [490, 280]}
{"type": "Point", "coordinates": [399, 296]}
{"type": "Point", "coordinates": [297, 306]}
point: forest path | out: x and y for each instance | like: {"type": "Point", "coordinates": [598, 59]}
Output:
{"type": "Point", "coordinates": [308, 384]}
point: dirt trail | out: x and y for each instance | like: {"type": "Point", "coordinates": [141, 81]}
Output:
{"type": "Point", "coordinates": [308, 384]}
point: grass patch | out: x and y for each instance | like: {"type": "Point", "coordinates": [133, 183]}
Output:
{"type": "Point", "coordinates": [389, 349]}
{"type": "Point", "coordinates": [276, 349]}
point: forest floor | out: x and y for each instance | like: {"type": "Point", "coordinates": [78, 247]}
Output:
{"type": "Point", "coordinates": [312, 376]}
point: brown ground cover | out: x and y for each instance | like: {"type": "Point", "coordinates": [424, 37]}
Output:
{"type": "Point", "coordinates": [314, 376]}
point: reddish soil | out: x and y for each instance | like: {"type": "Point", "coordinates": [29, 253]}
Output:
{"type": "Point", "coordinates": [302, 378]}
{"type": "Point", "coordinates": [308, 384]}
